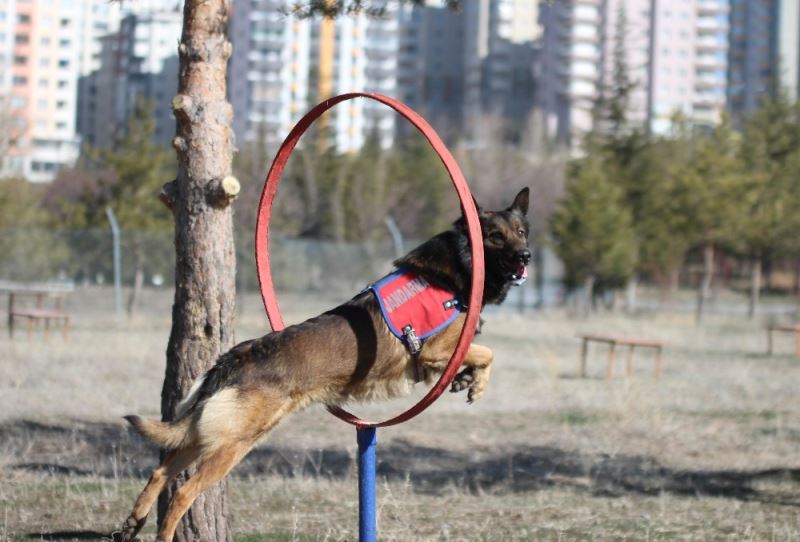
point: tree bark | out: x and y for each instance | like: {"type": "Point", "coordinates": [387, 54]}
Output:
{"type": "Point", "coordinates": [704, 290]}
{"type": "Point", "coordinates": [755, 288]}
{"type": "Point", "coordinates": [203, 311]}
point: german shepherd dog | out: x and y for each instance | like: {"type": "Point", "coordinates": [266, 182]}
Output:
{"type": "Point", "coordinates": [346, 354]}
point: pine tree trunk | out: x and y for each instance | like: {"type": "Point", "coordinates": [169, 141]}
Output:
{"type": "Point", "coordinates": [136, 292]}
{"type": "Point", "coordinates": [203, 311]}
{"type": "Point", "coordinates": [704, 291]}
{"type": "Point", "coordinates": [588, 294]}
{"type": "Point", "coordinates": [138, 277]}
{"type": "Point", "coordinates": [755, 288]}
{"type": "Point", "coordinates": [630, 294]}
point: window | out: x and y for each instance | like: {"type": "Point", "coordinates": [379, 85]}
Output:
{"type": "Point", "coordinates": [41, 104]}
{"type": "Point", "coordinates": [61, 104]}
{"type": "Point", "coordinates": [64, 42]}
{"type": "Point", "coordinates": [62, 84]}
{"type": "Point", "coordinates": [21, 39]}
{"type": "Point", "coordinates": [61, 125]}
{"type": "Point", "coordinates": [43, 82]}
{"type": "Point", "coordinates": [20, 81]}
{"type": "Point", "coordinates": [63, 63]}
{"type": "Point", "coordinates": [64, 23]}
{"type": "Point", "coordinates": [45, 41]}
{"type": "Point", "coordinates": [44, 62]}
{"type": "Point", "coordinates": [20, 60]}
{"type": "Point", "coordinates": [23, 18]}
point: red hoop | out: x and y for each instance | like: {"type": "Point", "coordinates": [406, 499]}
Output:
{"type": "Point", "coordinates": [467, 205]}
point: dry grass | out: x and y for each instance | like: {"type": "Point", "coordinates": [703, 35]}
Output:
{"type": "Point", "coordinates": [707, 453]}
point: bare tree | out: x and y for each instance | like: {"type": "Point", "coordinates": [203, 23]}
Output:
{"type": "Point", "coordinates": [205, 266]}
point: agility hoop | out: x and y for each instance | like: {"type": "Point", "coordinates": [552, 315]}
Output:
{"type": "Point", "coordinates": [473, 225]}
{"type": "Point", "coordinates": [365, 430]}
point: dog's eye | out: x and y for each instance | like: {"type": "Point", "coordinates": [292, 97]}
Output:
{"type": "Point", "coordinates": [521, 232]}
{"type": "Point", "coordinates": [496, 236]}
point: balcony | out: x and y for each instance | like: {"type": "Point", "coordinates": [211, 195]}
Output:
{"type": "Point", "coordinates": [711, 24]}
{"type": "Point", "coordinates": [710, 43]}
{"type": "Point", "coordinates": [711, 7]}
{"type": "Point", "coordinates": [708, 80]}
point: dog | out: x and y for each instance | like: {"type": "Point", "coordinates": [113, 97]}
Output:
{"type": "Point", "coordinates": [346, 354]}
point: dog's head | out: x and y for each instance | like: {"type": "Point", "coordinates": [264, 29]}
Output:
{"type": "Point", "coordinates": [505, 239]}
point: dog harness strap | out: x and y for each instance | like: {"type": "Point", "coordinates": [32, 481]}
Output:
{"type": "Point", "coordinates": [413, 308]}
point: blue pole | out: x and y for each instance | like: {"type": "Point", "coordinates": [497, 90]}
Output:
{"type": "Point", "coordinates": [367, 528]}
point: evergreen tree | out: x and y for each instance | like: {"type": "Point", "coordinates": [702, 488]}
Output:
{"type": "Point", "coordinates": [592, 230]}
{"type": "Point", "coordinates": [770, 219]}
{"type": "Point", "coordinates": [710, 197]}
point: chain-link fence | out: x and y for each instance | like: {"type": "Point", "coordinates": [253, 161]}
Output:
{"type": "Point", "coordinates": [85, 257]}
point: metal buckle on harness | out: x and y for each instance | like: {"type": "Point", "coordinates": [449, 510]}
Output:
{"type": "Point", "coordinates": [413, 342]}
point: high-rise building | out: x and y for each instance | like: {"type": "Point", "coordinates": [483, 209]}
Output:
{"type": "Point", "coordinates": [268, 73]}
{"type": "Point", "coordinates": [463, 67]}
{"type": "Point", "coordinates": [764, 52]}
{"type": "Point", "coordinates": [139, 61]}
{"type": "Point", "coordinates": [690, 59]}
{"type": "Point", "coordinates": [571, 65]}
{"type": "Point", "coordinates": [41, 56]}
{"type": "Point", "coordinates": [352, 54]}
{"type": "Point", "coordinates": [675, 54]}
{"type": "Point", "coordinates": [48, 49]}
{"type": "Point", "coordinates": [282, 65]}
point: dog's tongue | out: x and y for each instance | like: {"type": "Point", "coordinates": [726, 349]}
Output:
{"type": "Point", "coordinates": [521, 274]}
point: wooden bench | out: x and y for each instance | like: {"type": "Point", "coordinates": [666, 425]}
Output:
{"type": "Point", "coordinates": [56, 293]}
{"type": "Point", "coordinates": [613, 342]}
{"type": "Point", "coordinates": [788, 328]}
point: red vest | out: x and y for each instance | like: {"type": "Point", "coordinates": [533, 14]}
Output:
{"type": "Point", "coordinates": [413, 308]}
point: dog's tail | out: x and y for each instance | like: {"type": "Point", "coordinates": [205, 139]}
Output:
{"type": "Point", "coordinates": [168, 435]}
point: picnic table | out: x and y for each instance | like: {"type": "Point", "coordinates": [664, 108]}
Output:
{"type": "Point", "coordinates": [37, 311]}
{"type": "Point", "coordinates": [613, 341]}
{"type": "Point", "coordinates": [789, 328]}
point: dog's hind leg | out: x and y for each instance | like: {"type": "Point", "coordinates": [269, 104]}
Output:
{"type": "Point", "coordinates": [232, 422]}
{"type": "Point", "coordinates": [210, 470]}
{"type": "Point", "coordinates": [175, 462]}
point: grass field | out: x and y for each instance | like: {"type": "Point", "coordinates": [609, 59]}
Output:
{"type": "Point", "coordinates": [709, 452]}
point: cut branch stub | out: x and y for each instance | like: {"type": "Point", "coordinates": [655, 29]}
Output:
{"type": "Point", "coordinates": [223, 192]}
{"type": "Point", "coordinates": [184, 107]}
{"type": "Point", "coordinates": [178, 143]}
{"type": "Point", "coordinates": [168, 193]}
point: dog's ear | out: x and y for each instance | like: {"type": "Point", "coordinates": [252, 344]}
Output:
{"type": "Point", "coordinates": [462, 220]}
{"type": "Point", "coordinates": [477, 205]}
{"type": "Point", "coordinates": [521, 201]}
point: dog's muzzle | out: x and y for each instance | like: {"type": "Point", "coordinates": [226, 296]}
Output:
{"type": "Point", "coordinates": [521, 274]}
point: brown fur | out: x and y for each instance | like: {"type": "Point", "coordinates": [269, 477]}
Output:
{"type": "Point", "coordinates": [346, 354]}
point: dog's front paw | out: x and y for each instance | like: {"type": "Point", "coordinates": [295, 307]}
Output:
{"type": "Point", "coordinates": [462, 381]}
{"type": "Point", "coordinates": [479, 384]}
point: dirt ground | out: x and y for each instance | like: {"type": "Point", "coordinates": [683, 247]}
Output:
{"type": "Point", "coordinates": [708, 452]}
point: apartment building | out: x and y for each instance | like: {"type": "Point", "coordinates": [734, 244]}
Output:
{"type": "Point", "coordinates": [690, 62]}
{"type": "Point", "coordinates": [268, 73]}
{"type": "Point", "coordinates": [48, 50]}
{"type": "Point", "coordinates": [675, 52]}
{"type": "Point", "coordinates": [281, 66]}
{"type": "Point", "coordinates": [139, 61]}
{"type": "Point", "coordinates": [40, 56]}
{"type": "Point", "coordinates": [764, 54]}
{"type": "Point", "coordinates": [466, 67]}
